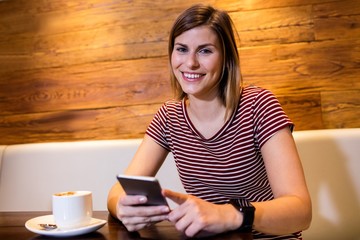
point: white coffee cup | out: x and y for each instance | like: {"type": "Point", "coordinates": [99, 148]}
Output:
{"type": "Point", "coordinates": [72, 209]}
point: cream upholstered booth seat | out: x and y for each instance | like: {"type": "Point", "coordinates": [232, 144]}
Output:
{"type": "Point", "coordinates": [331, 161]}
{"type": "Point", "coordinates": [30, 173]}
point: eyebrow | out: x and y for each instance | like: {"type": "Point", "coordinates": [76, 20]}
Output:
{"type": "Point", "coordinates": [200, 46]}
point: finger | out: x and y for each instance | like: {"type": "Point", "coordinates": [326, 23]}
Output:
{"type": "Point", "coordinates": [192, 230]}
{"type": "Point", "coordinates": [142, 211]}
{"type": "Point", "coordinates": [187, 226]}
{"type": "Point", "coordinates": [128, 200]}
{"type": "Point", "coordinates": [177, 197]}
{"type": "Point", "coordinates": [143, 220]}
{"type": "Point", "coordinates": [137, 223]}
{"type": "Point", "coordinates": [135, 227]}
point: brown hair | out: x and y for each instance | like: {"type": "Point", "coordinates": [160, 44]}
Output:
{"type": "Point", "coordinates": [221, 23]}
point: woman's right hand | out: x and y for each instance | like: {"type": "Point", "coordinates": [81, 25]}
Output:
{"type": "Point", "coordinates": [131, 211]}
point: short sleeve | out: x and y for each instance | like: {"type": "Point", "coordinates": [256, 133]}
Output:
{"type": "Point", "coordinates": [269, 117]}
{"type": "Point", "coordinates": [158, 127]}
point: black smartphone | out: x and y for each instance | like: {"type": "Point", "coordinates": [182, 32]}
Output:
{"type": "Point", "coordinates": [141, 185]}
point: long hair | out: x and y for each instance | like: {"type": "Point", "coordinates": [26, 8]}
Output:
{"type": "Point", "coordinates": [220, 22]}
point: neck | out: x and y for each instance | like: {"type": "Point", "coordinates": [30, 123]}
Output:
{"type": "Point", "coordinates": [205, 110]}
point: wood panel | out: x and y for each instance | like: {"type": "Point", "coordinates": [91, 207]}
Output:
{"type": "Point", "coordinates": [98, 69]}
{"type": "Point", "coordinates": [266, 26]}
{"type": "Point", "coordinates": [105, 123]}
{"type": "Point", "coordinates": [243, 5]}
{"type": "Point", "coordinates": [88, 86]}
{"type": "Point", "coordinates": [304, 110]}
{"type": "Point", "coordinates": [305, 67]}
{"type": "Point", "coordinates": [286, 69]}
{"type": "Point", "coordinates": [337, 20]}
{"type": "Point", "coordinates": [341, 109]}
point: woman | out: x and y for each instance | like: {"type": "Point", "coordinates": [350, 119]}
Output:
{"type": "Point", "coordinates": [233, 146]}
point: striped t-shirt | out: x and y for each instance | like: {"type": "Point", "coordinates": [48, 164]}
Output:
{"type": "Point", "coordinates": [229, 164]}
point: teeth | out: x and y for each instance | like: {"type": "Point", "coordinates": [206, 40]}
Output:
{"type": "Point", "coordinates": [192, 75]}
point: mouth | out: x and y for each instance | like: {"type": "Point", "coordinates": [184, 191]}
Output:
{"type": "Point", "coordinates": [192, 76]}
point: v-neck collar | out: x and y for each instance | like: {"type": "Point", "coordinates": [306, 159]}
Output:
{"type": "Point", "coordinates": [197, 133]}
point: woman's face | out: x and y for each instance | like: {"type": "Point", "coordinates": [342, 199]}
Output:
{"type": "Point", "coordinates": [197, 61]}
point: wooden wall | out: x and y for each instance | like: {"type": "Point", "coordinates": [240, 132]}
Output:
{"type": "Point", "coordinates": [98, 69]}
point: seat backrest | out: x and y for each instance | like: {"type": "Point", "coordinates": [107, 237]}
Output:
{"type": "Point", "coordinates": [31, 173]}
{"type": "Point", "coordinates": [331, 161]}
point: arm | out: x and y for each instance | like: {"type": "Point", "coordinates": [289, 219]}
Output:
{"type": "Point", "coordinates": [146, 162]}
{"type": "Point", "coordinates": [290, 211]}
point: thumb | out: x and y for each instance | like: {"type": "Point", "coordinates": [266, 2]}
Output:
{"type": "Point", "coordinates": [177, 197]}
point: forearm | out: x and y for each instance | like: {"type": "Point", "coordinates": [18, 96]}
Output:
{"type": "Point", "coordinates": [146, 162]}
{"type": "Point", "coordinates": [290, 211]}
{"type": "Point", "coordinates": [283, 215]}
{"type": "Point", "coordinates": [113, 198]}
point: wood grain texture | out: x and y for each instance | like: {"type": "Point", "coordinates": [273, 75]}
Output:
{"type": "Point", "coordinates": [88, 86]}
{"type": "Point", "coordinates": [341, 109]}
{"type": "Point", "coordinates": [104, 123]}
{"type": "Point", "coordinates": [304, 110]}
{"type": "Point", "coordinates": [98, 69]}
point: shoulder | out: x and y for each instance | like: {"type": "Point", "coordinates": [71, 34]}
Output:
{"type": "Point", "coordinates": [170, 108]}
{"type": "Point", "coordinates": [253, 94]}
{"type": "Point", "coordinates": [253, 91]}
{"type": "Point", "coordinates": [172, 103]}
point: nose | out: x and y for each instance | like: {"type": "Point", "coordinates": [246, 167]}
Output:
{"type": "Point", "coordinates": [192, 61]}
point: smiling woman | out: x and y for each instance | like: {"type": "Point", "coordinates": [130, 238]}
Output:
{"type": "Point", "coordinates": [232, 145]}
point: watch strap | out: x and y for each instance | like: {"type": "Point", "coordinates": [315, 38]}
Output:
{"type": "Point", "coordinates": [248, 210]}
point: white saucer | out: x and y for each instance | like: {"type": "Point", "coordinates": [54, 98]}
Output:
{"type": "Point", "coordinates": [33, 226]}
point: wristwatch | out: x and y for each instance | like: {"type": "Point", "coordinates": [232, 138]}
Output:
{"type": "Point", "coordinates": [248, 211]}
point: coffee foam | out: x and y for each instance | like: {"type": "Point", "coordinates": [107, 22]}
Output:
{"type": "Point", "coordinates": [65, 194]}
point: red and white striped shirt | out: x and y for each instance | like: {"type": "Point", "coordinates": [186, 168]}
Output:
{"type": "Point", "coordinates": [229, 164]}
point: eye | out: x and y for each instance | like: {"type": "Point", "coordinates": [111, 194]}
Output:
{"type": "Point", "coordinates": [205, 51]}
{"type": "Point", "coordinates": [181, 49]}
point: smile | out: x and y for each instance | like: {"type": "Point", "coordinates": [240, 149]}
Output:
{"type": "Point", "coordinates": [192, 75]}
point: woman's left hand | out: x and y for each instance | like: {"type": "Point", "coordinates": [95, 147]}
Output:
{"type": "Point", "coordinates": [195, 216]}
